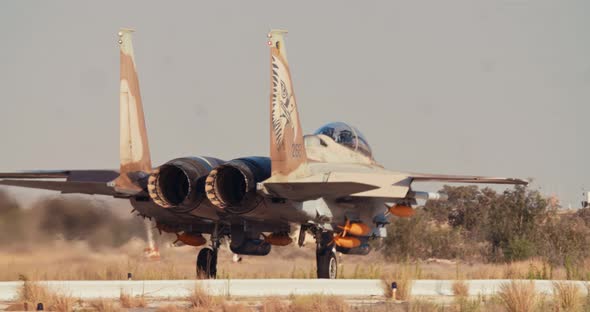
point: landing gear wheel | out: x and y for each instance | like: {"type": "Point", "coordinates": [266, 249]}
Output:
{"type": "Point", "coordinates": [327, 263]}
{"type": "Point", "coordinates": [207, 264]}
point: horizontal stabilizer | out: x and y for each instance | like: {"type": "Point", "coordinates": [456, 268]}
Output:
{"type": "Point", "coordinates": [301, 191]}
{"type": "Point", "coordinates": [99, 188]}
{"type": "Point", "coordinates": [69, 175]}
{"type": "Point", "coordinates": [464, 179]}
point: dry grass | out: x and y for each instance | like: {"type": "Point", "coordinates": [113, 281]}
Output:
{"type": "Point", "coordinates": [465, 304]}
{"type": "Point", "coordinates": [104, 305]}
{"type": "Point", "coordinates": [404, 277]}
{"type": "Point", "coordinates": [319, 303]}
{"type": "Point", "coordinates": [460, 288]}
{"type": "Point", "coordinates": [201, 299]}
{"type": "Point", "coordinates": [170, 308]}
{"type": "Point", "coordinates": [274, 304]}
{"type": "Point", "coordinates": [32, 293]}
{"type": "Point", "coordinates": [234, 307]}
{"type": "Point", "coordinates": [567, 296]}
{"type": "Point", "coordinates": [386, 286]}
{"type": "Point", "coordinates": [77, 261]}
{"type": "Point", "coordinates": [518, 296]}
{"type": "Point", "coordinates": [128, 301]}
{"type": "Point", "coordinates": [421, 305]}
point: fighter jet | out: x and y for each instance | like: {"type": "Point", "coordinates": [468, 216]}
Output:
{"type": "Point", "coordinates": [327, 184]}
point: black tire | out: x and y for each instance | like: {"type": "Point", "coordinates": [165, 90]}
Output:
{"type": "Point", "coordinates": [207, 264]}
{"type": "Point", "coordinates": [327, 263]}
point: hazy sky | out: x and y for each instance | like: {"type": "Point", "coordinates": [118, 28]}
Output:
{"type": "Point", "coordinates": [461, 87]}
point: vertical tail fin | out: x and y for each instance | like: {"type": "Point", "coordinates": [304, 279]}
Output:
{"type": "Point", "coordinates": [134, 150]}
{"type": "Point", "coordinates": [287, 151]}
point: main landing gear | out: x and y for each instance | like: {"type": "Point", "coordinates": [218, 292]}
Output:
{"type": "Point", "coordinates": [207, 263]}
{"type": "Point", "coordinates": [327, 265]}
{"type": "Point", "coordinates": [207, 258]}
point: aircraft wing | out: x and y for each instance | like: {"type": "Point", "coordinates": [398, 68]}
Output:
{"type": "Point", "coordinates": [464, 179]}
{"type": "Point", "coordinates": [300, 191]}
{"type": "Point", "coordinates": [65, 181]}
{"type": "Point", "coordinates": [381, 185]}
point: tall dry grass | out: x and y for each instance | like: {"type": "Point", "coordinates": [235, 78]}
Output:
{"type": "Point", "coordinates": [32, 293]}
{"type": "Point", "coordinates": [275, 304]}
{"type": "Point", "coordinates": [77, 261]}
{"type": "Point", "coordinates": [404, 277]}
{"type": "Point", "coordinates": [518, 296]}
{"type": "Point", "coordinates": [129, 301]}
{"type": "Point", "coordinates": [422, 305]}
{"type": "Point", "coordinates": [104, 305]}
{"type": "Point", "coordinates": [320, 303]}
{"type": "Point", "coordinates": [460, 288]}
{"type": "Point", "coordinates": [201, 299]}
{"type": "Point", "coordinates": [170, 308]}
{"type": "Point", "coordinates": [567, 297]}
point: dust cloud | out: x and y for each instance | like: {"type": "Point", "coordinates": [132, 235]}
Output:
{"type": "Point", "coordinates": [64, 218]}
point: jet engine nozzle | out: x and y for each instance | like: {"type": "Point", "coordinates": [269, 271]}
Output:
{"type": "Point", "coordinates": [232, 186]}
{"type": "Point", "coordinates": [179, 183]}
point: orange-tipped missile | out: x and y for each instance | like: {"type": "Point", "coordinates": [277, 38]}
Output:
{"type": "Point", "coordinates": [190, 239]}
{"type": "Point", "coordinates": [356, 229]}
{"type": "Point", "coordinates": [402, 211]}
{"type": "Point", "coordinates": [347, 241]}
{"type": "Point", "coordinates": [278, 239]}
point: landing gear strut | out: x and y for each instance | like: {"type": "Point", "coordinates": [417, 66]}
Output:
{"type": "Point", "coordinates": [207, 258]}
{"type": "Point", "coordinates": [327, 265]}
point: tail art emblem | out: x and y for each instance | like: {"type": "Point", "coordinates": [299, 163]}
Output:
{"type": "Point", "coordinates": [283, 102]}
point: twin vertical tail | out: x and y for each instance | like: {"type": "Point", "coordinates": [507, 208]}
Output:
{"type": "Point", "coordinates": [287, 150]}
{"type": "Point", "coordinates": [134, 155]}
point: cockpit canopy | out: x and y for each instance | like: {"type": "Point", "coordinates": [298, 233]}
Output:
{"type": "Point", "coordinates": [346, 135]}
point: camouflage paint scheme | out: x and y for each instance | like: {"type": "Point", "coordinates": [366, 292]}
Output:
{"type": "Point", "coordinates": [313, 181]}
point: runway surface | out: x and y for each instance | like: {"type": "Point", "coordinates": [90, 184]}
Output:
{"type": "Point", "coordinates": [262, 287]}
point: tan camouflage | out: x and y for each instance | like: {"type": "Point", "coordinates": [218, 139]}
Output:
{"type": "Point", "coordinates": [327, 183]}
{"type": "Point", "coordinates": [287, 150]}
{"type": "Point", "coordinates": [133, 145]}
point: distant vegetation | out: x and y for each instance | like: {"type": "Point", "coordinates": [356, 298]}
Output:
{"type": "Point", "coordinates": [482, 225]}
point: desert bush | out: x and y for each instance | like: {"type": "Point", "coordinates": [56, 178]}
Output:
{"type": "Point", "coordinates": [518, 249]}
{"type": "Point", "coordinates": [418, 237]}
{"type": "Point", "coordinates": [514, 225]}
{"type": "Point", "coordinates": [563, 238]}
